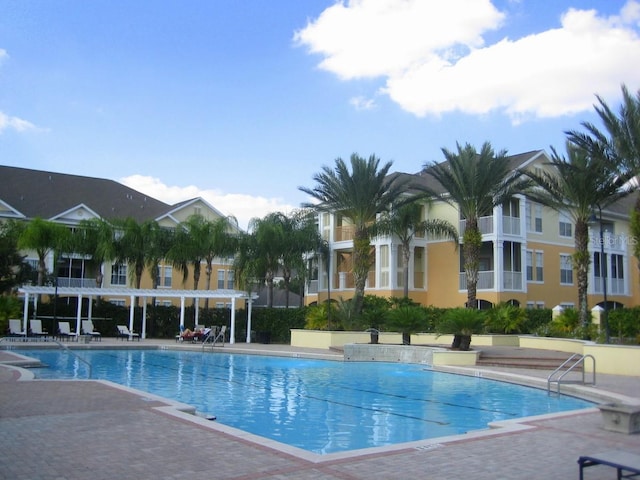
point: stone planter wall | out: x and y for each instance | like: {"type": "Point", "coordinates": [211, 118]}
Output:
{"type": "Point", "coordinates": [620, 418]}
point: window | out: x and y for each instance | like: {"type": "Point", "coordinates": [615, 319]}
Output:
{"type": "Point", "coordinates": [220, 279]}
{"type": "Point", "coordinates": [529, 261]}
{"type": "Point", "coordinates": [231, 278]}
{"type": "Point", "coordinates": [539, 266]}
{"type": "Point", "coordinates": [400, 268]}
{"type": "Point", "coordinates": [168, 274]}
{"type": "Point", "coordinates": [598, 269]}
{"type": "Point", "coordinates": [564, 226]}
{"type": "Point", "coordinates": [384, 265]}
{"type": "Point", "coordinates": [118, 274]}
{"type": "Point", "coordinates": [617, 266]}
{"type": "Point", "coordinates": [566, 270]}
{"type": "Point", "coordinates": [537, 218]}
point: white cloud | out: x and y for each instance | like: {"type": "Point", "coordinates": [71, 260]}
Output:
{"type": "Point", "coordinates": [438, 63]}
{"type": "Point", "coordinates": [362, 103]}
{"type": "Point", "coordinates": [369, 38]}
{"type": "Point", "coordinates": [14, 123]}
{"type": "Point", "coordinates": [242, 206]}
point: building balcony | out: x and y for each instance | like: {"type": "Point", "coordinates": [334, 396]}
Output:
{"type": "Point", "coordinates": [486, 281]}
{"type": "Point", "coordinates": [77, 282]}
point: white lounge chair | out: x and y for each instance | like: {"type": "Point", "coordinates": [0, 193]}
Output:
{"type": "Point", "coordinates": [64, 330]}
{"type": "Point", "coordinates": [36, 329]}
{"type": "Point", "coordinates": [123, 331]}
{"type": "Point", "coordinates": [15, 328]}
{"type": "Point", "coordinates": [218, 337]}
{"type": "Point", "coordinates": [89, 329]}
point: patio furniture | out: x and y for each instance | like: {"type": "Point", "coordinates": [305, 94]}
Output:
{"type": "Point", "coordinates": [89, 329]}
{"type": "Point", "coordinates": [15, 328]}
{"type": "Point", "coordinates": [123, 332]}
{"type": "Point", "coordinates": [627, 464]}
{"type": "Point", "coordinates": [36, 328]}
{"type": "Point", "coordinates": [64, 331]}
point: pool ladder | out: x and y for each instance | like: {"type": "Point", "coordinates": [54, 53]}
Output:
{"type": "Point", "coordinates": [557, 376]}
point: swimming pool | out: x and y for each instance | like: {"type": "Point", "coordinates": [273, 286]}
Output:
{"type": "Point", "coordinates": [320, 406]}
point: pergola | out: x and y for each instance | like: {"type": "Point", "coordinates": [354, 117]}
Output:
{"type": "Point", "coordinates": [134, 293]}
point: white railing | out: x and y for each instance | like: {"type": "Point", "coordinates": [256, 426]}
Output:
{"type": "Point", "coordinates": [77, 282]}
{"type": "Point", "coordinates": [485, 224]}
{"type": "Point", "coordinates": [615, 286]}
{"type": "Point", "coordinates": [512, 280]}
{"type": "Point", "coordinates": [612, 243]}
{"type": "Point", "coordinates": [511, 225]}
{"type": "Point", "coordinates": [485, 280]}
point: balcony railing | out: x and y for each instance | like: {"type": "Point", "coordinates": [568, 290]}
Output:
{"type": "Point", "coordinates": [344, 233]}
{"type": "Point", "coordinates": [615, 286]}
{"type": "Point", "coordinates": [512, 280]}
{"type": "Point", "coordinates": [612, 243]}
{"type": "Point", "coordinates": [485, 224]}
{"type": "Point", "coordinates": [511, 225]}
{"type": "Point", "coordinates": [485, 280]}
{"type": "Point", "coordinates": [77, 282]}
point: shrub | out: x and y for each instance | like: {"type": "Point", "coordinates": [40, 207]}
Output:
{"type": "Point", "coordinates": [505, 318]}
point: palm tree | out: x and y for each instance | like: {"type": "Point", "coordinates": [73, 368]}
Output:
{"type": "Point", "coordinates": [621, 140]}
{"type": "Point", "coordinates": [301, 238]}
{"type": "Point", "coordinates": [188, 248]}
{"type": "Point", "coordinates": [220, 242]}
{"type": "Point", "coordinates": [577, 185]}
{"type": "Point", "coordinates": [269, 243]}
{"type": "Point", "coordinates": [94, 237]}
{"type": "Point", "coordinates": [475, 183]}
{"type": "Point", "coordinates": [132, 240]}
{"type": "Point", "coordinates": [405, 221]}
{"type": "Point", "coordinates": [44, 237]}
{"type": "Point", "coordinates": [358, 195]}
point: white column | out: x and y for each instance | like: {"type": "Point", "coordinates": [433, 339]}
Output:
{"type": "Point", "coordinates": [181, 313]}
{"type": "Point", "coordinates": [143, 334]}
{"type": "Point", "coordinates": [25, 314]}
{"type": "Point", "coordinates": [249, 303]}
{"type": "Point", "coordinates": [498, 265]}
{"type": "Point", "coordinates": [132, 312]}
{"type": "Point", "coordinates": [393, 266]}
{"type": "Point", "coordinates": [232, 335]}
{"type": "Point", "coordinates": [79, 314]}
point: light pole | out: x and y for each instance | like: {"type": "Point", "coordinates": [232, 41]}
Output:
{"type": "Point", "coordinates": [603, 275]}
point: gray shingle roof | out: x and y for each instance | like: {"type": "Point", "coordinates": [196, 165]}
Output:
{"type": "Point", "coordinates": [37, 193]}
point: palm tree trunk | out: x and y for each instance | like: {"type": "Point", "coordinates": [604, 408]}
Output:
{"type": "Point", "coordinates": [406, 256]}
{"type": "Point", "coordinates": [581, 261]}
{"type": "Point", "coordinates": [361, 264]}
{"type": "Point", "coordinates": [472, 239]}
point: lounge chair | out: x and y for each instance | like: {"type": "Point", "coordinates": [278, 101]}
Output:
{"type": "Point", "coordinates": [217, 337]}
{"type": "Point", "coordinates": [89, 329]}
{"type": "Point", "coordinates": [123, 332]}
{"type": "Point", "coordinates": [64, 331]}
{"type": "Point", "coordinates": [622, 461]}
{"type": "Point", "coordinates": [36, 329]}
{"type": "Point", "coordinates": [15, 328]}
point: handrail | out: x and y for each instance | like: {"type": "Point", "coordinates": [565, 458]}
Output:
{"type": "Point", "coordinates": [66, 349]}
{"type": "Point", "coordinates": [579, 361]}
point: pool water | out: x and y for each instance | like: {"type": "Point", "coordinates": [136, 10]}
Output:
{"type": "Point", "coordinates": [321, 406]}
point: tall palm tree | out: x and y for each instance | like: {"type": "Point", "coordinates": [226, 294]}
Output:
{"type": "Point", "coordinates": [131, 246]}
{"type": "Point", "coordinates": [94, 237]}
{"type": "Point", "coordinates": [358, 195]}
{"type": "Point", "coordinates": [44, 237]}
{"type": "Point", "coordinates": [221, 241]}
{"type": "Point", "coordinates": [586, 180]}
{"type": "Point", "coordinates": [188, 248]}
{"type": "Point", "coordinates": [621, 140]}
{"type": "Point", "coordinates": [269, 243]}
{"type": "Point", "coordinates": [405, 221]}
{"type": "Point", "coordinates": [301, 238]}
{"type": "Point", "coordinates": [475, 183]}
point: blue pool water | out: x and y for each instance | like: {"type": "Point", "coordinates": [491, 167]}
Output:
{"type": "Point", "coordinates": [317, 405]}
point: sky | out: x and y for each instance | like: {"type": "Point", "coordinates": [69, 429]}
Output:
{"type": "Point", "coordinates": [242, 102]}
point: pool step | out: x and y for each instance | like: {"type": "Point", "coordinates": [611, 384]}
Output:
{"type": "Point", "coordinates": [543, 362]}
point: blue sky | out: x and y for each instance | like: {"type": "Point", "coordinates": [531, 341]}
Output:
{"type": "Point", "coordinates": [242, 102]}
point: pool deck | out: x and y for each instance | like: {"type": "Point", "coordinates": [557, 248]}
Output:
{"type": "Point", "coordinates": [68, 430]}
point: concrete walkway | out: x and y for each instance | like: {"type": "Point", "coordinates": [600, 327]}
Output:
{"type": "Point", "coordinates": [67, 430]}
